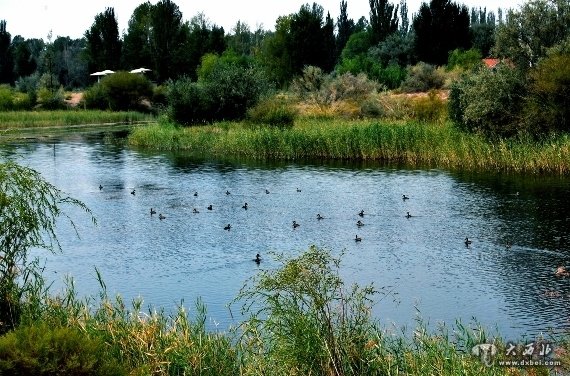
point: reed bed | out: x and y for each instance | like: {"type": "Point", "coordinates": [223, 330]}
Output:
{"type": "Point", "coordinates": [414, 144]}
{"type": "Point", "coordinates": [19, 120]}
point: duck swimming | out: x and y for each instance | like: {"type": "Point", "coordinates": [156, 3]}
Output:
{"type": "Point", "coordinates": [408, 215]}
{"type": "Point", "coordinates": [404, 197]}
{"type": "Point", "coordinates": [161, 217]}
{"type": "Point", "coordinates": [267, 191]}
{"type": "Point", "coordinates": [133, 192]}
{"type": "Point", "coordinates": [359, 223]}
{"type": "Point", "coordinates": [319, 217]}
{"type": "Point", "coordinates": [210, 207]}
{"type": "Point", "coordinates": [257, 258]}
{"type": "Point", "coordinates": [295, 224]}
{"type": "Point", "coordinates": [228, 227]}
{"type": "Point", "coordinates": [100, 187]}
{"type": "Point", "coordinates": [361, 213]}
{"type": "Point", "coordinates": [195, 211]}
{"type": "Point", "coordinates": [467, 242]}
{"type": "Point", "coordinates": [195, 194]}
{"type": "Point", "coordinates": [245, 206]}
{"type": "Point", "coordinates": [357, 238]}
{"type": "Point", "coordinates": [152, 211]}
{"type": "Point", "coordinates": [227, 192]}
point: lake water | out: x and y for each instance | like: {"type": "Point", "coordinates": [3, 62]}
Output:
{"type": "Point", "coordinates": [421, 260]}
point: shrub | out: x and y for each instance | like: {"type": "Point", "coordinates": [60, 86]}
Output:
{"type": "Point", "coordinates": [430, 109]}
{"type": "Point", "coordinates": [276, 111]}
{"type": "Point", "coordinates": [188, 102]}
{"type": "Point", "coordinates": [125, 90]}
{"type": "Point", "coordinates": [465, 60]}
{"type": "Point", "coordinates": [44, 350]}
{"type": "Point", "coordinates": [422, 77]}
{"type": "Point", "coordinates": [24, 101]}
{"type": "Point", "coordinates": [96, 97]}
{"type": "Point", "coordinates": [548, 106]}
{"type": "Point", "coordinates": [489, 101]}
{"type": "Point", "coordinates": [226, 94]}
{"type": "Point", "coordinates": [6, 98]}
{"type": "Point", "coordinates": [317, 325]}
{"type": "Point", "coordinates": [51, 99]}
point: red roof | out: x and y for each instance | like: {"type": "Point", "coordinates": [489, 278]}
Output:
{"type": "Point", "coordinates": [491, 63]}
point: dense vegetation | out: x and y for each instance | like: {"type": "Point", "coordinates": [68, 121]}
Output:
{"type": "Point", "coordinates": [299, 318]}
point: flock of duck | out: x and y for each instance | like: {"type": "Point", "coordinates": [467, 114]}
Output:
{"type": "Point", "coordinates": [560, 271]}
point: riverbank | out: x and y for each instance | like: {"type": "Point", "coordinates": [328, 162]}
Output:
{"type": "Point", "coordinates": [411, 143]}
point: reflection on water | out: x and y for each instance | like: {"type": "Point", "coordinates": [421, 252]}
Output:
{"type": "Point", "coordinates": [518, 225]}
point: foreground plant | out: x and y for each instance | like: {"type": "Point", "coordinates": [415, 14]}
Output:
{"type": "Point", "coordinates": [29, 208]}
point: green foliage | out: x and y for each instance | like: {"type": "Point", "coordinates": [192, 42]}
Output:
{"type": "Point", "coordinates": [396, 49]}
{"type": "Point", "coordinates": [51, 99]}
{"type": "Point", "coordinates": [489, 101]}
{"type": "Point", "coordinates": [226, 90]}
{"type": "Point", "coordinates": [430, 109]}
{"type": "Point", "coordinates": [465, 60]}
{"type": "Point", "coordinates": [383, 20]}
{"type": "Point", "coordinates": [96, 97]}
{"type": "Point", "coordinates": [275, 111]}
{"type": "Point", "coordinates": [29, 208]}
{"type": "Point", "coordinates": [422, 77]}
{"type": "Point", "coordinates": [316, 324]}
{"type": "Point", "coordinates": [6, 60]}
{"type": "Point", "coordinates": [547, 108]}
{"type": "Point", "coordinates": [527, 33]}
{"type": "Point", "coordinates": [42, 349]}
{"type": "Point", "coordinates": [6, 98]}
{"type": "Point", "coordinates": [103, 42]}
{"type": "Point", "coordinates": [120, 91]}
{"type": "Point", "coordinates": [125, 91]}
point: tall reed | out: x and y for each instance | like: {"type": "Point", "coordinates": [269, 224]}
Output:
{"type": "Point", "coordinates": [412, 143]}
{"type": "Point", "coordinates": [17, 120]}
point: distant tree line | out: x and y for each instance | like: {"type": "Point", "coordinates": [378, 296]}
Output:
{"type": "Point", "coordinates": [159, 38]}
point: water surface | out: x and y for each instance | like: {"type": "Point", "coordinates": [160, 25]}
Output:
{"type": "Point", "coordinates": [421, 260]}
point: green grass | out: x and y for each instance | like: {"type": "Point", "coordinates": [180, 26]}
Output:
{"type": "Point", "coordinates": [411, 143]}
{"type": "Point", "coordinates": [22, 120]}
{"type": "Point", "coordinates": [299, 319]}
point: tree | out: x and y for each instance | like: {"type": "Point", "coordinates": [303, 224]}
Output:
{"type": "Point", "coordinates": [527, 34]}
{"type": "Point", "coordinates": [405, 22]}
{"type": "Point", "coordinates": [482, 30]}
{"type": "Point", "coordinates": [345, 28]}
{"type": "Point", "coordinates": [137, 48]}
{"type": "Point", "coordinates": [309, 40]}
{"type": "Point", "coordinates": [70, 66]}
{"type": "Point", "coordinates": [103, 43]}
{"type": "Point", "coordinates": [383, 20]}
{"type": "Point", "coordinates": [29, 209]}
{"type": "Point", "coordinates": [440, 27]}
{"type": "Point", "coordinates": [6, 59]}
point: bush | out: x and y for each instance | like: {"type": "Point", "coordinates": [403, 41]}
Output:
{"type": "Point", "coordinates": [96, 97]}
{"type": "Point", "coordinates": [548, 106]}
{"type": "Point", "coordinates": [44, 350]}
{"type": "Point", "coordinates": [226, 94]}
{"type": "Point", "coordinates": [6, 98]}
{"type": "Point", "coordinates": [120, 91]}
{"type": "Point", "coordinates": [465, 60]}
{"type": "Point", "coordinates": [489, 101]}
{"type": "Point", "coordinates": [125, 91]}
{"type": "Point", "coordinates": [430, 109]}
{"type": "Point", "coordinates": [422, 77]}
{"type": "Point", "coordinates": [51, 99]}
{"type": "Point", "coordinates": [276, 111]}
{"type": "Point", "coordinates": [188, 102]}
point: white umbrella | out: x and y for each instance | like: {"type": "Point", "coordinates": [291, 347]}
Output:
{"type": "Point", "coordinates": [107, 71]}
{"type": "Point", "coordinates": [140, 70]}
{"type": "Point", "coordinates": [98, 74]}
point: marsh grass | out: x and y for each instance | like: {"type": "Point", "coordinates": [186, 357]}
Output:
{"type": "Point", "coordinates": [18, 120]}
{"type": "Point", "coordinates": [299, 319]}
{"type": "Point", "coordinates": [414, 144]}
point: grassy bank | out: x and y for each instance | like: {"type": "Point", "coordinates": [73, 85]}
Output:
{"type": "Point", "coordinates": [305, 322]}
{"type": "Point", "coordinates": [411, 143]}
{"type": "Point", "coordinates": [23, 120]}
